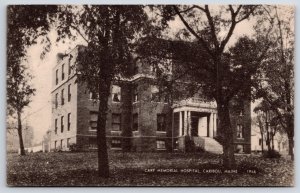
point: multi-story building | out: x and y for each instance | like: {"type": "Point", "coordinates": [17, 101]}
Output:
{"type": "Point", "coordinates": [136, 120]}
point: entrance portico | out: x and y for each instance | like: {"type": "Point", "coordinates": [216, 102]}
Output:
{"type": "Point", "coordinates": [197, 122]}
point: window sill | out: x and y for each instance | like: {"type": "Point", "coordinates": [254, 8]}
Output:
{"type": "Point", "coordinates": [161, 131]}
{"type": "Point", "coordinates": [159, 102]}
{"type": "Point", "coordinates": [116, 148]}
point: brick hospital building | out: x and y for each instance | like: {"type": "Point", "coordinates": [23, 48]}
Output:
{"type": "Point", "coordinates": [135, 121]}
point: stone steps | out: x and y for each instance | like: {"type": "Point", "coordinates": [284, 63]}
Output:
{"type": "Point", "coordinates": [211, 145]}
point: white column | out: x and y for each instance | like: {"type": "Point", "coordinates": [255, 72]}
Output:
{"type": "Point", "coordinates": [189, 129]}
{"type": "Point", "coordinates": [185, 123]}
{"type": "Point", "coordinates": [180, 124]}
{"type": "Point", "coordinates": [211, 126]}
{"type": "Point", "coordinates": [215, 123]}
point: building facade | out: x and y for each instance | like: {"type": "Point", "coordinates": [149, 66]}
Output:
{"type": "Point", "coordinates": [138, 118]}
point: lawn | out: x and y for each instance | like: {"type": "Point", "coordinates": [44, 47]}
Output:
{"type": "Point", "coordinates": [146, 169]}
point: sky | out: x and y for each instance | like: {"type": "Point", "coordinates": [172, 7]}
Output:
{"type": "Point", "coordinates": [38, 115]}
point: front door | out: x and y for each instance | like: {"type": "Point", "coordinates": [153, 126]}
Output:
{"type": "Point", "coordinates": [194, 126]}
{"type": "Point", "coordinates": [202, 126]}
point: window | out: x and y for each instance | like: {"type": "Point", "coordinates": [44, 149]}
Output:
{"type": "Point", "coordinates": [135, 124]}
{"type": "Point", "coordinates": [93, 96]}
{"type": "Point", "coordinates": [116, 122]}
{"type": "Point", "coordinates": [61, 143]}
{"type": "Point", "coordinates": [152, 68]}
{"type": "Point", "coordinates": [239, 131]}
{"type": "Point", "coordinates": [116, 93]}
{"type": "Point", "coordinates": [135, 95]}
{"type": "Point", "coordinates": [68, 142]}
{"type": "Point", "coordinates": [56, 77]}
{"type": "Point", "coordinates": [62, 97]}
{"type": "Point", "coordinates": [135, 69]}
{"type": "Point", "coordinates": [160, 144]}
{"type": "Point", "coordinates": [62, 124]}
{"type": "Point", "coordinates": [69, 92]}
{"type": "Point", "coordinates": [62, 72]}
{"type": "Point", "coordinates": [56, 100]}
{"type": "Point", "coordinates": [93, 143]}
{"type": "Point", "coordinates": [154, 93]}
{"type": "Point", "coordinates": [69, 121]}
{"type": "Point", "coordinates": [69, 65]}
{"type": "Point", "coordinates": [116, 143]}
{"type": "Point", "coordinates": [93, 120]}
{"type": "Point", "coordinates": [161, 122]}
{"type": "Point", "coordinates": [167, 98]}
{"type": "Point", "coordinates": [239, 149]}
{"type": "Point", "coordinates": [93, 125]}
{"type": "Point", "coordinates": [260, 142]}
{"type": "Point", "coordinates": [55, 144]}
{"type": "Point", "coordinates": [56, 128]}
{"type": "Point", "coordinates": [69, 68]}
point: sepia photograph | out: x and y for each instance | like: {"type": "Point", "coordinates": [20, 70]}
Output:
{"type": "Point", "coordinates": [159, 95]}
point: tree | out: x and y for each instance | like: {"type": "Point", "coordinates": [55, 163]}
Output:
{"type": "Point", "coordinates": [276, 84]}
{"type": "Point", "coordinates": [18, 97]}
{"type": "Point", "coordinates": [109, 32]}
{"type": "Point", "coordinates": [259, 122]}
{"type": "Point", "coordinates": [25, 25]}
{"type": "Point", "coordinates": [220, 73]}
{"type": "Point", "coordinates": [268, 124]}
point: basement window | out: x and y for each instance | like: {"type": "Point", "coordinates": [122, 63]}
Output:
{"type": "Point", "coordinates": [160, 144]}
{"type": "Point", "coordinates": [116, 143]}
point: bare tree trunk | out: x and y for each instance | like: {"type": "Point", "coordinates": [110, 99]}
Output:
{"type": "Point", "coordinates": [272, 140]}
{"type": "Point", "coordinates": [262, 142]}
{"type": "Point", "coordinates": [226, 132]}
{"type": "Point", "coordinates": [268, 138]}
{"type": "Point", "coordinates": [291, 146]}
{"type": "Point", "coordinates": [103, 167]}
{"type": "Point", "coordinates": [22, 149]}
{"type": "Point", "coordinates": [126, 117]}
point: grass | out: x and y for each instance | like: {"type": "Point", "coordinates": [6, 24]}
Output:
{"type": "Point", "coordinates": [129, 169]}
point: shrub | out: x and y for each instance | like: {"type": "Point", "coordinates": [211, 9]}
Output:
{"type": "Point", "coordinates": [74, 148]}
{"type": "Point", "coordinates": [189, 145]}
{"type": "Point", "coordinates": [57, 149]}
{"type": "Point", "coordinates": [271, 154]}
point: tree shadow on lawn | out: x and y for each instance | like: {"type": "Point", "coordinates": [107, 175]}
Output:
{"type": "Point", "coordinates": [134, 177]}
{"type": "Point", "coordinates": [129, 169]}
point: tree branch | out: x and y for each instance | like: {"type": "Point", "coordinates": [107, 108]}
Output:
{"type": "Point", "coordinates": [248, 14]}
{"type": "Point", "coordinates": [230, 32]}
{"type": "Point", "coordinates": [212, 27]}
{"type": "Point", "coordinates": [203, 43]}
{"type": "Point", "coordinates": [198, 7]}
{"type": "Point", "coordinates": [233, 24]}
{"type": "Point", "coordinates": [79, 32]}
{"type": "Point", "coordinates": [275, 110]}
